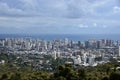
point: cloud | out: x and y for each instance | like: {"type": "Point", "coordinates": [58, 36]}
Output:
{"type": "Point", "coordinates": [56, 8]}
{"type": "Point", "coordinates": [5, 10]}
{"type": "Point", "coordinates": [63, 15]}
{"type": "Point", "coordinates": [82, 26]}
{"type": "Point", "coordinates": [116, 9]}
{"type": "Point", "coordinates": [95, 24]}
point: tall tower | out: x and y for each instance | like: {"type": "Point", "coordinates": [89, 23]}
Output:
{"type": "Point", "coordinates": [119, 50]}
{"type": "Point", "coordinates": [66, 41]}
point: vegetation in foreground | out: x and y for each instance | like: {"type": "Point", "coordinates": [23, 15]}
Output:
{"type": "Point", "coordinates": [107, 71]}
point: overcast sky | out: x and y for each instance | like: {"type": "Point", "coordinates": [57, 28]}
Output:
{"type": "Point", "coordinates": [60, 16]}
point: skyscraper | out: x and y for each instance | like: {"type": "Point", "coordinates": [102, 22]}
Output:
{"type": "Point", "coordinates": [119, 50]}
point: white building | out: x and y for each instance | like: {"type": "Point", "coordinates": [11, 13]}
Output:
{"type": "Point", "coordinates": [77, 60]}
{"type": "Point", "coordinates": [55, 54]}
{"type": "Point", "coordinates": [90, 60]}
{"type": "Point", "coordinates": [66, 41]}
{"type": "Point", "coordinates": [3, 43]}
{"type": "Point", "coordinates": [84, 58]}
{"type": "Point", "coordinates": [118, 50]}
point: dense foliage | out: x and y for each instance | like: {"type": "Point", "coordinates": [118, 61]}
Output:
{"type": "Point", "coordinates": [64, 72]}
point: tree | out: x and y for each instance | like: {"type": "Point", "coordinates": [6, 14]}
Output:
{"type": "Point", "coordinates": [115, 76]}
{"type": "Point", "coordinates": [82, 74]}
{"type": "Point", "coordinates": [15, 76]}
{"type": "Point", "coordinates": [66, 72]}
{"type": "Point", "coordinates": [105, 78]}
{"type": "Point", "coordinates": [4, 77]}
{"type": "Point", "coordinates": [60, 78]}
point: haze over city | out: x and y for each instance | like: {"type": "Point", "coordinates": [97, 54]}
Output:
{"type": "Point", "coordinates": [60, 16]}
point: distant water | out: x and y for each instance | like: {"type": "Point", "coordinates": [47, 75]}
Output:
{"type": "Point", "coordinates": [75, 37]}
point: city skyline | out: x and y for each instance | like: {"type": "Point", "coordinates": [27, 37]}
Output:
{"type": "Point", "coordinates": [60, 16]}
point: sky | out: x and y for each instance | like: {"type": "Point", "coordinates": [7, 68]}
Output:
{"type": "Point", "coordinates": [60, 16]}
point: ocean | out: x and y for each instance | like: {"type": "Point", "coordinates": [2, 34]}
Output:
{"type": "Point", "coordinates": [74, 37]}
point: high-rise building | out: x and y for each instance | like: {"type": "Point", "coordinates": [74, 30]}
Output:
{"type": "Point", "coordinates": [91, 60]}
{"type": "Point", "coordinates": [9, 42]}
{"type": "Point", "coordinates": [119, 50]}
{"type": "Point", "coordinates": [77, 60]}
{"type": "Point", "coordinates": [3, 43]}
{"type": "Point", "coordinates": [66, 41]}
{"type": "Point", "coordinates": [27, 45]}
